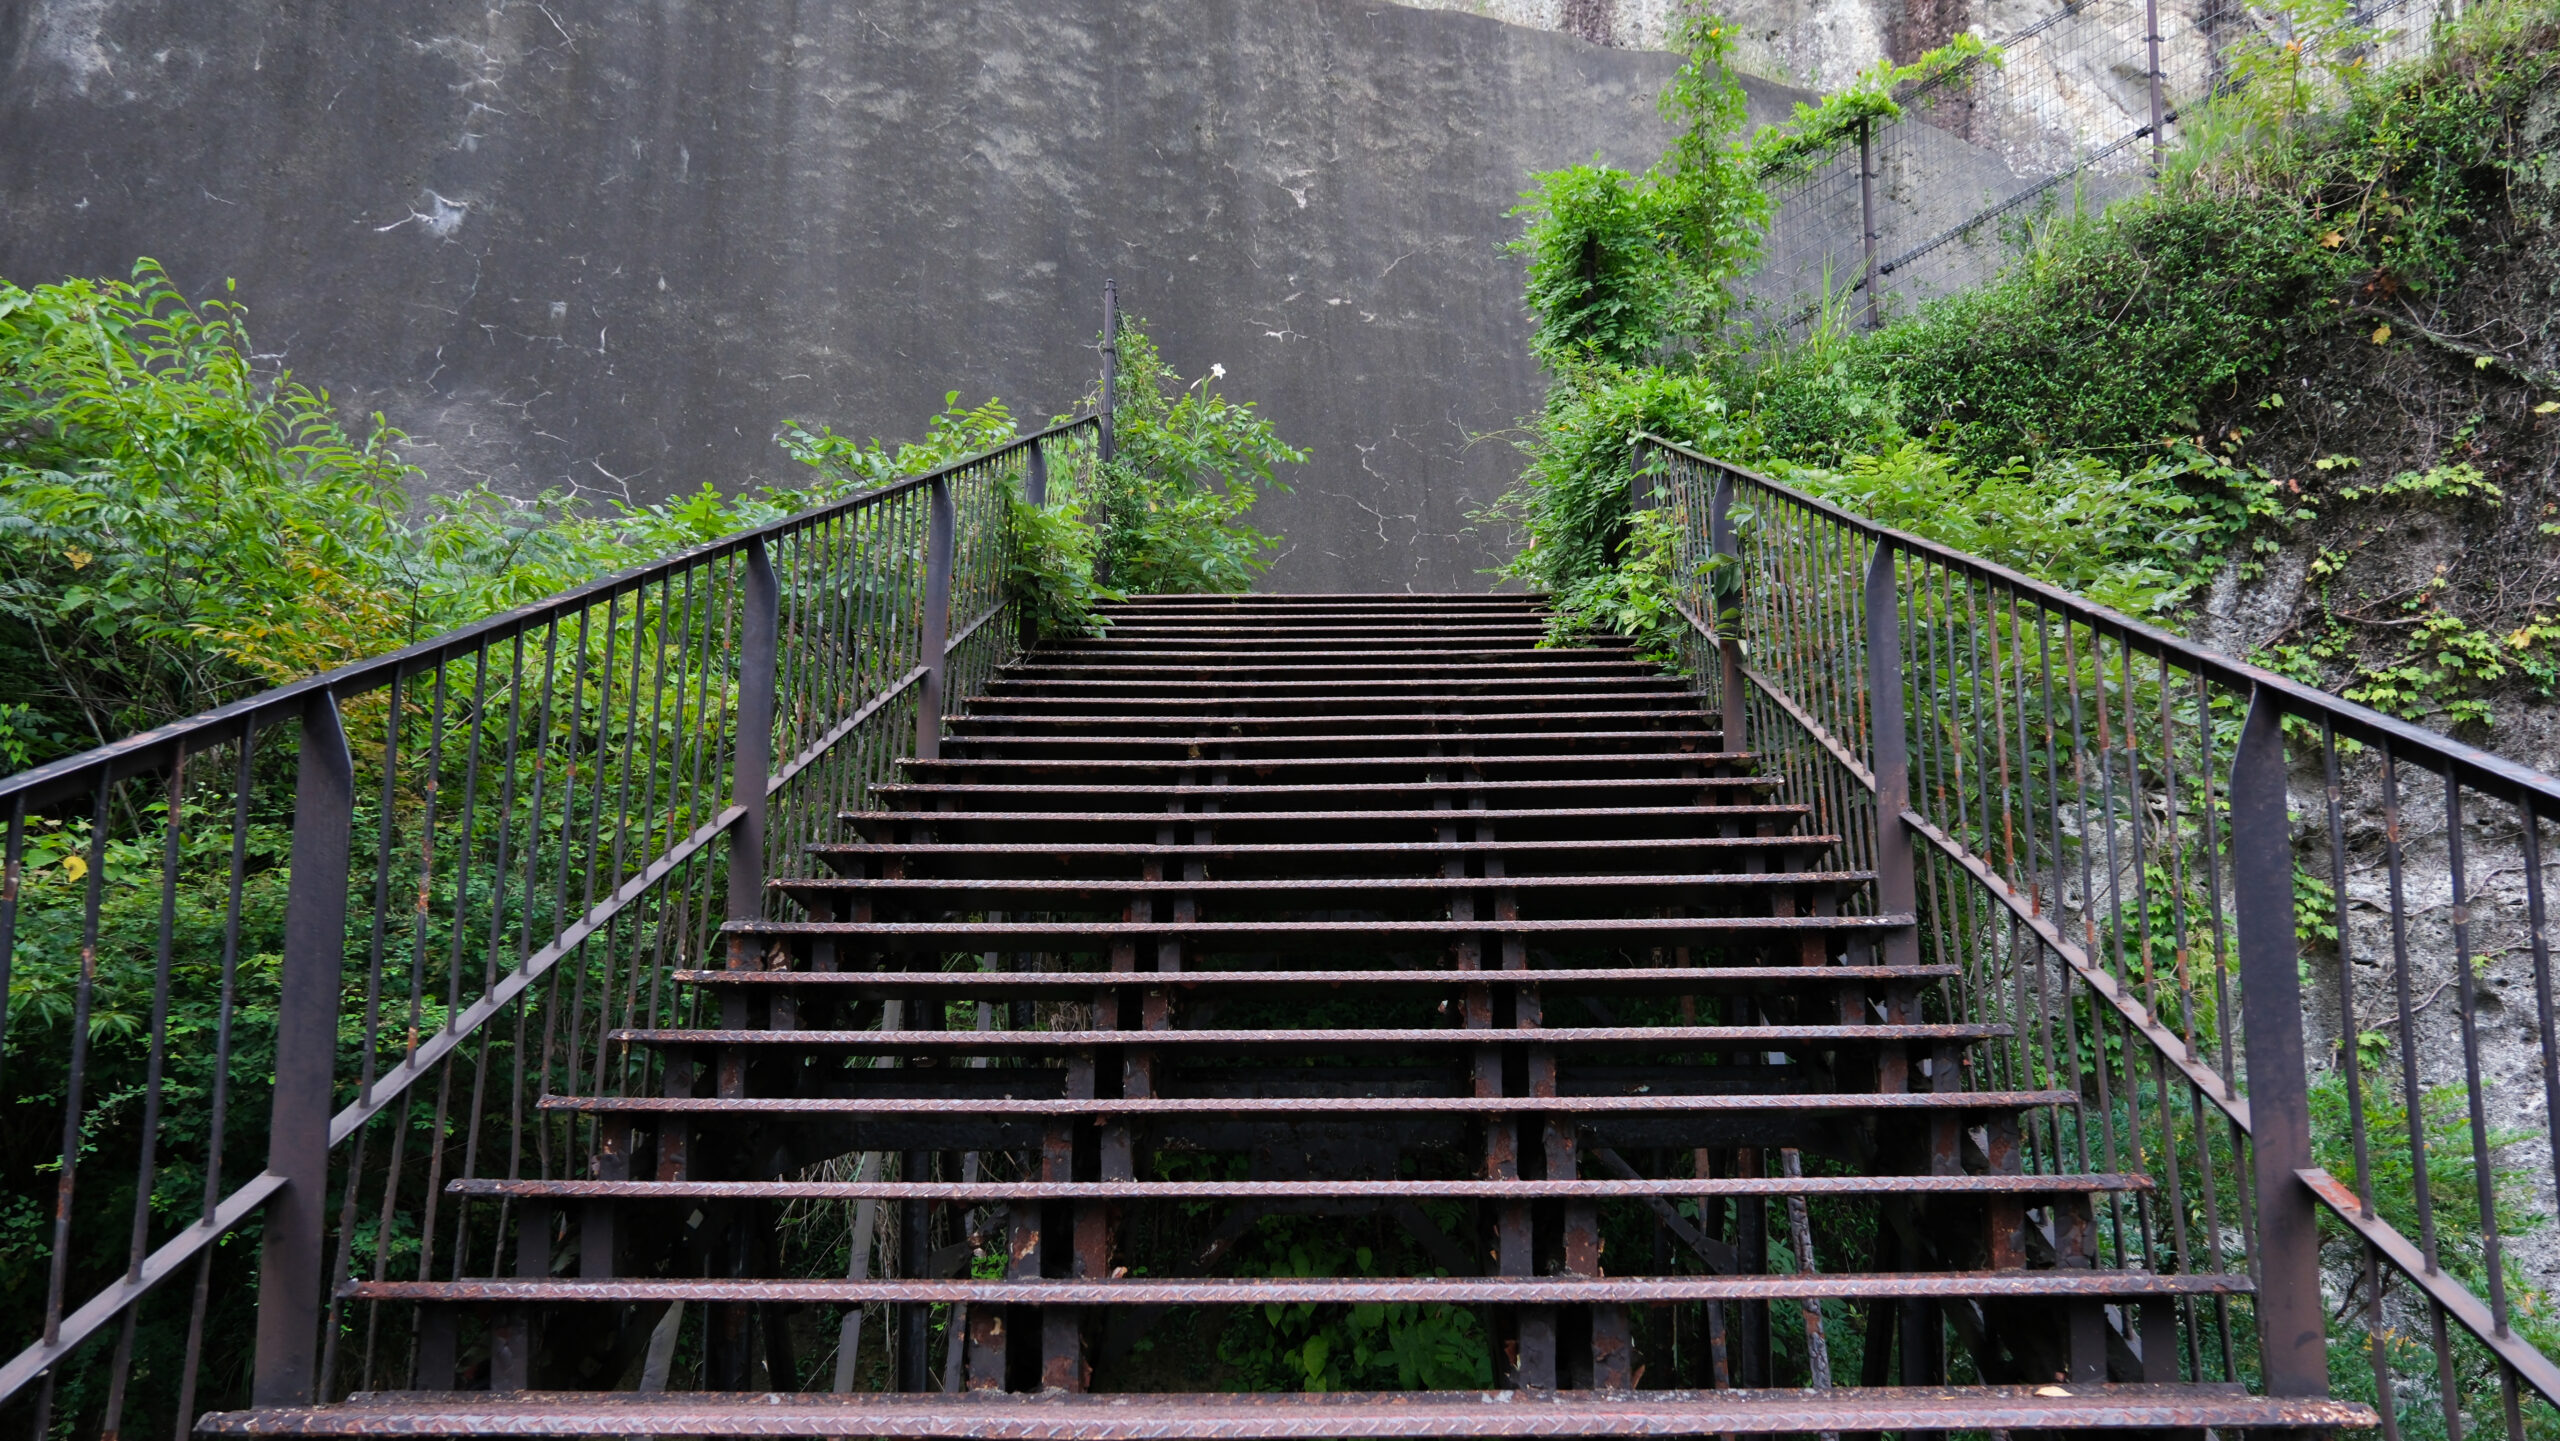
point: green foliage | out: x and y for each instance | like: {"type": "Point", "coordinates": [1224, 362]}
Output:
{"type": "Point", "coordinates": [1309, 1347]}
{"type": "Point", "coordinates": [2443, 1127]}
{"type": "Point", "coordinates": [1638, 597]}
{"type": "Point", "coordinates": [848, 465]}
{"type": "Point", "coordinates": [2138, 540]}
{"type": "Point", "coordinates": [1787, 152]}
{"type": "Point", "coordinates": [1052, 566]}
{"type": "Point", "coordinates": [168, 512]}
{"type": "Point", "coordinates": [1571, 508]}
{"type": "Point", "coordinates": [1623, 269]}
{"type": "Point", "coordinates": [1190, 465]}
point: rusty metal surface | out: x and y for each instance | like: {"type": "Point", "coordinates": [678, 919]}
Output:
{"type": "Point", "coordinates": [1671, 979]}
{"type": "Point", "coordinates": [2083, 1283]}
{"type": "Point", "coordinates": [1106, 888]}
{"type": "Point", "coordinates": [689, 1191]}
{"type": "Point", "coordinates": [2530, 1366]}
{"type": "Point", "coordinates": [1716, 1038]}
{"type": "Point", "coordinates": [1301, 1106]}
{"type": "Point", "coordinates": [997, 1416]}
{"type": "Point", "coordinates": [1033, 935]}
{"type": "Point", "coordinates": [1275, 852]}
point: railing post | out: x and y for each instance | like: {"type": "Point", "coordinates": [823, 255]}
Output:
{"type": "Point", "coordinates": [1035, 478]}
{"type": "Point", "coordinates": [1867, 215]}
{"type": "Point", "coordinates": [2292, 1342]}
{"type": "Point", "coordinates": [937, 624]}
{"type": "Point", "coordinates": [1108, 446]}
{"type": "Point", "coordinates": [759, 647]}
{"type": "Point", "coordinates": [315, 952]}
{"type": "Point", "coordinates": [2159, 113]}
{"type": "Point", "coordinates": [1889, 751]}
{"type": "Point", "coordinates": [1720, 539]}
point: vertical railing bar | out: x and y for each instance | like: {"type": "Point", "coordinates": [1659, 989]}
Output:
{"type": "Point", "coordinates": [2484, 1179]}
{"type": "Point", "coordinates": [220, 1103]}
{"type": "Point", "coordinates": [75, 1079]}
{"type": "Point", "coordinates": [120, 1369]}
{"type": "Point", "coordinates": [2538, 919]}
{"type": "Point", "coordinates": [12, 874]}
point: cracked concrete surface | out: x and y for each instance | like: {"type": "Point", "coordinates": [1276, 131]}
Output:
{"type": "Point", "coordinates": [611, 248]}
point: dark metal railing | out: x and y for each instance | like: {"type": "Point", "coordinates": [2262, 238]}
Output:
{"type": "Point", "coordinates": [2219, 906]}
{"type": "Point", "coordinates": [514, 832]}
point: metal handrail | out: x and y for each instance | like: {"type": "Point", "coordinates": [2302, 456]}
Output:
{"type": "Point", "coordinates": [1813, 640]}
{"type": "Point", "coordinates": [146, 751]}
{"type": "Point", "coordinates": [727, 634]}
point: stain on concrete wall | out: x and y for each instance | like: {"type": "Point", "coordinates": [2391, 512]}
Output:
{"type": "Point", "coordinates": [612, 246]}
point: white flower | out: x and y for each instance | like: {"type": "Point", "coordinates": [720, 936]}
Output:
{"type": "Point", "coordinates": [1217, 372]}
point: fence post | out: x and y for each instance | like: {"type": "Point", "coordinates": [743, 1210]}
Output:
{"type": "Point", "coordinates": [1867, 215]}
{"type": "Point", "coordinates": [1720, 539]}
{"type": "Point", "coordinates": [759, 647]}
{"type": "Point", "coordinates": [937, 624]}
{"type": "Point", "coordinates": [1108, 446]}
{"type": "Point", "coordinates": [2159, 114]}
{"type": "Point", "coordinates": [1889, 750]}
{"type": "Point", "coordinates": [315, 952]}
{"type": "Point", "coordinates": [2292, 1344]}
{"type": "Point", "coordinates": [1035, 479]}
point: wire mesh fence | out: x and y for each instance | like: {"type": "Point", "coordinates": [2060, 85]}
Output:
{"type": "Point", "coordinates": [2071, 119]}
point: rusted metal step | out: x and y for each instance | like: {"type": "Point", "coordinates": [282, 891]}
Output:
{"type": "Point", "coordinates": [971, 740]}
{"type": "Point", "coordinates": [1629, 823]}
{"type": "Point", "coordinates": [1276, 701]}
{"type": "Point", "coordinates": [1243, 796]}
{"type": "Point", "coordinates": [2075, 1183]}
{"type": "Point", "coordinates": [1545, 666]}
{"type": "Point", "coordinates": [1573, 980]}
{"type": "Point", "coordinates": [1051, 895]}
{"type": "Point", "coordinates": [1321, 1040]}
{"type": "Point", "coordinates": [1126, 770]}
{"type": "Point", "coordinates": [2077, 1283]}
{"type": "Point", "coordinates": [1001, 1416]}
{"type": "Point", "coordinates": [1448, 725]}
{"type": "Point", "coordinates": [1372, 857]}
{"type": "Point", "coordinates": [1213, 937]}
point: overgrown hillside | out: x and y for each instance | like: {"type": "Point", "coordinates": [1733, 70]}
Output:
{"type": "Point", "coordinates": [2302, 400]}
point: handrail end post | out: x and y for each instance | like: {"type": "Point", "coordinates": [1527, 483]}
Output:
{"type": "Point", "coordinates": [1888, 750]}
{"type": "Point", "coordinates": [937, 625]}
{"type": "Point", "coordinates": [2292, 1329]}
{"type": "Point", "coordinates": [292, 1257]}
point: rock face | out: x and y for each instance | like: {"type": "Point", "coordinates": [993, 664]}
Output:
{"type": "Point", "coordinates": [613, 247]}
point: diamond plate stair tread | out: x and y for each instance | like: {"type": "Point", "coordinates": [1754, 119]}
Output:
{"type": "Point", "coordinates": [997, 1416]}
{"type": "Point", "coordinates": [1699, 980]}
{"type": "Point", "coordinates": [986, 1191]}
{"type": "Point", "coordinates": [1300, 1106]}
{"type": "Point", "coordinates": [1712, 1038]}
{"type": "Point", "coordinates": [2086, 1284]}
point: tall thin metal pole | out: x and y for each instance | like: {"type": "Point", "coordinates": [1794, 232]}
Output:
{"type": "Point", "coordinates": [315, 952]}
{"type": "Point", "coordinates": [1897, 883]}
{"type": "Point", "coordinates": [937, 624]}
{"type": "Point", "coordinates": [1109, 445]}
{"type": "Point", "coordinates": [1725, 594]}
{"type": "Point", "coordinates": [1867, 215]}
{"type": "Point", "coordinates": [2292, 1342]}
{"type": "Point", "coordinates": [2159, 112]}
{"type": "Point", "coordinates": [759, 646]}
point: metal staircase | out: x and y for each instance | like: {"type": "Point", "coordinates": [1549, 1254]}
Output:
{"type": "Point", "coordinates": [1356, 908]}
